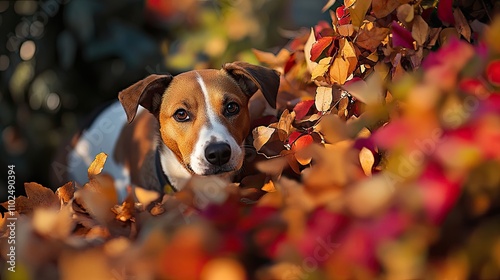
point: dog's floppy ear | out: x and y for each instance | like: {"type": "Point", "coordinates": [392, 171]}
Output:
{"type": "Point", "coordinates": [252, 77]}
{"type": "Point", "coordinates": [147, 93]}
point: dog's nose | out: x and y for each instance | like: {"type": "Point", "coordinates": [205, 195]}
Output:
{"type": "Point", "coordinates": [218, 153]}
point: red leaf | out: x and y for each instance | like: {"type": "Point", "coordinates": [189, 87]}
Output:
{"type": "Point", "coordinates": [302, 108]}
{"type": "Point", "coordinates": [323, 29]}
{"type": "Point", "coordinates": [493, 72]}
{"type": "Point", "coordinates": [439, 192]}
{"type": "Point", "coordinates": [290, 63]}
{"type": "Point", "coordinates": [401, 37]}
{"type": "Point", "coordinates": [445, 11]}
{"type": "Point", "coordinates": [319, 46]}
{"type": "Point", "coordinates": [343, 15]}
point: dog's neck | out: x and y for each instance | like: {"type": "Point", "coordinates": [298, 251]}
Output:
{"type": "Point", "coordinates": [176, 173]}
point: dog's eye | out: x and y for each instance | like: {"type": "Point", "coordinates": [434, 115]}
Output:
{"type": "Point", "coordinates": [232, 108]}
{"type": "Point", "coordinates": [181, 115]}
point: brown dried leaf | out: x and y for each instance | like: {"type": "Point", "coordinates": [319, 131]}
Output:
{"type": "Point", "coordinates": [285, 124]}
{"type": "Point", "coordinates": [382, 8]}
{"type": "Point", "coordinates": [273, 166]}
{"type": "Point", "coordinates": [66, 192]}
{"type": "Point", "coordinates": [367, 160]}
{"type": "Point", "coordinates": [405, 13]}
{"type": "Point", "coordinates": [420, 30]}
{"type": "Point", "coordinates": [97, 165]}
{"type": "Point", "coordinates": [433, 36]}
{"type": "Point", "coordinates": [37, 196]}
{"type": "Point", "coordinates": [125, 211]}
{"type": "Point", "coordinates": [261, 135]}
{"type": "Point", "coordinates": [323, 99]}
{"type": "Point", "coordinates": [370, 36]}
{"type": "Point", "coordinates": [345, 30]}
{"type": "Point", "coordinates": [461, 24]}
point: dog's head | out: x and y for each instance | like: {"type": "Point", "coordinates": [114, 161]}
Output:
{"type": "Point", "coordinates": [203, 115]}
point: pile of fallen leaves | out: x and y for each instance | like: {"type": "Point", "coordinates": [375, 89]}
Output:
{"type": "Point", "coordinates": [383, 163]}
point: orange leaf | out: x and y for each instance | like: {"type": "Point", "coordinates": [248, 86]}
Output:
{"type": "Point", "coordinates": [319, 47]}
{"type": "Point", "coordinates": [97, 165]}
{"type": "Point", "coordinates": [339, 70]}
{"type": "Point", "coordinates": [269, 187]}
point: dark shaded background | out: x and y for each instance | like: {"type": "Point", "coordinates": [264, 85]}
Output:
{"type": "Point", "coordinates": [61, 59]}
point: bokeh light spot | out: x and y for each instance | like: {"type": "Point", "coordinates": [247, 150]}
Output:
{"type": "Point", "coordinates": [28, 49]}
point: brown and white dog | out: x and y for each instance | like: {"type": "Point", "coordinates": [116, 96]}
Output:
{"type": "Point", "coordinates": [197, 124]}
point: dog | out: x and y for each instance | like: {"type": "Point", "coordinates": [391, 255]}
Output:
{"type": "Point", "coordinates": [165, 128]}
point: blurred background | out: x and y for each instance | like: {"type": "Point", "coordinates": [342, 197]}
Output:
{"type": "Point", "coordinates": [61, 59]}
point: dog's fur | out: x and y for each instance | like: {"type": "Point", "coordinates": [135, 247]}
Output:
{"type": "Point", "coordinates": [184, 147]}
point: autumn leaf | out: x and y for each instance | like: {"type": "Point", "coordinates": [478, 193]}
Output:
{"type": "Point", "coordinates": [319, 47]}
{"type": "Point", "coordinates": [405, 13]}
{"type": "Point", "coordinates": [420, 30]}
{"type": "Point", "coordinates": [272, 60]}
{"type": "Point", "coordinates": [37, 196]}
{"type": "Point", "coordinates": [401, 37]}
{"type": "Point", "coordinates": [321, 68]}
{"type": "Point", "coordinates": [323, 99]}
{"type": "Point", "coordinates": [343, 16]}
{"type": "Point", "coordinates": [371, 36]}
{"type": "Point", "coordinates": [97, 165]}
{"type": "Point", "coordinates": [311, 65]}
{"type": "Point", "coordinates": [302, 108]}
{"type": "Point", "coordinates": [358, 11]}
{"type": "Point", "coordinates": [445, 11]}
{"type": "Point", "coordinates": [382, 8]}
{"type": "Point", "coordinates": [66, 192]}
{"type": "Point", "coordinates": [261, 135]}
{"type": "Point", "coordinates": [461, 24]}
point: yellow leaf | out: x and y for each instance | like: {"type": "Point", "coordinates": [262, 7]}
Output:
{"type": "Point", "coordinates": [323, 99]}
{"type": "Point", "coordinates": [321, 68]}
{"type": "Point", "coordinates": [345, 30]}
{"type": "Point", "coordinates": [358, 11]}
{"type": "Point", "coordinates": [97, 165]}
{"type": "Point", "coordinates": [348, 52]}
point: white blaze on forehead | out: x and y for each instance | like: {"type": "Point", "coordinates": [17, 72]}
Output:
{"type": "Point", "coordinates": [211, 132]}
